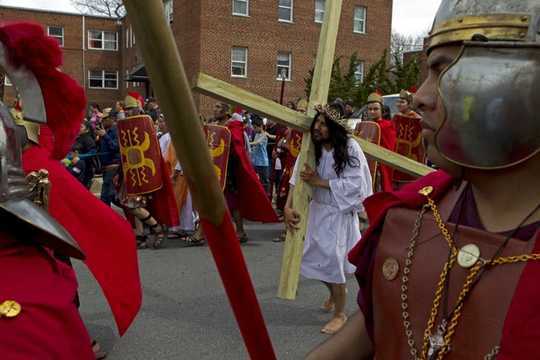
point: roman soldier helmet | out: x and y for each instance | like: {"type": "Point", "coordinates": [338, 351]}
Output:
{"type": "Point", "coordinates": [30, 59]}
{"type": "Point", "coordinates": [491, 90]}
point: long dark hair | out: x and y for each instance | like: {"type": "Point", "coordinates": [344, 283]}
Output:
{"type": "Point", "coordinates": [339, 139]}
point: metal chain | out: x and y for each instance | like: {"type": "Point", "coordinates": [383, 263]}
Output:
{"type": "Point", "coordinates": [471, 277]}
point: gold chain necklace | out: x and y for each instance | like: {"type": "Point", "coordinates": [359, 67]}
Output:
{"type": "Point", "coordinates": [436, 346]}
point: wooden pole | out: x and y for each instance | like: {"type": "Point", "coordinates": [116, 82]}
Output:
{"type": "Point", "coordinates": [165, 68]}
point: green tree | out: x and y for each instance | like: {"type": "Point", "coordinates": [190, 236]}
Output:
{"type": "Point", "coordinates": [381, 76]}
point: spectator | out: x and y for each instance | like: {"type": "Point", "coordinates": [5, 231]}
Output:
{"type": "Point", "coordinates": [120, 114]}
{"type": "Point", "coordinates": [109, 156]}
{"type": "Point", "coordinates": [85, 147]}
{"type": "Point", "coordinates": [259, 154]}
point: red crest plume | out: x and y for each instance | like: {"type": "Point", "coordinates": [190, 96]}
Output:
{"type": "Point", "coordinates": [27, 45]}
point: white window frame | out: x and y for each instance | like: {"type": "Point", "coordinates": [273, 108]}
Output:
{"type": "Point", "coordinates": [102, 39]}
{"type": "Point", "coordinates": [288, 67]}
{"type": "Point", "coordinates": [103, 80]}
{"type": "Point", "coordinates": [56, 36]}
{"type": "Point", "coordinates": [291, 8]}
{"type": "Point", "coordinates": [7, 82]}
{"type": "Point", "coordinates": [319, 11]}
{"type": "Point", "coordinates": [245, 63]}
{"type": "Point", "coordinates": [359, 72]}
{"type": "Point", "coordinates": [238, 13]}
{"type": "Point", "coordinates": [363, 20]}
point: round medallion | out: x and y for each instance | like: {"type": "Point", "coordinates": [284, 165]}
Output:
{"type": "Point", "coordinates": [390, 269]}
{"type": "Point", "coordinates": [426, 190]}
{"type": "Point", "coordinates": [10, 308]}
{"type": "Point", "coordinates": [468, 256]}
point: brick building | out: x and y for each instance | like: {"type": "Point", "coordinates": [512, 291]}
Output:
{"type": "Point", "coordinates": [249, 43]}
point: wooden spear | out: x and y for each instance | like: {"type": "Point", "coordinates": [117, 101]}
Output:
{"type": "Point", "coordinates": [164, 65]}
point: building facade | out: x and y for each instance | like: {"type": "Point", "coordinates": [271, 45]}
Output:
{"type": "Point", "coordinates": [254, 44]}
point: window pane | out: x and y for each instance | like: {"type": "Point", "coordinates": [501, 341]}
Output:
{"type": "Point", "coordinates": [360, 19]}
{"type": "Point", "coordinates": [95, 74]}
{"type": "Point", "coordinates": [285, 3]}
{"type": "Point", "coordinates": [285, 14]}
{"type": "Point", "coordinates": [238, 69]}
{"type": "Point", "coordinates": [109, 45]}
{"type": "Point", "coordinates": [283, 59]}
{"type": "Point", "coordinates": [93, 34]}
{"type": "Point", "coordinates": [359, 72]}
{"type": "Point", "coordinates": [359, 13]}
{"type": "Point", "coordinates": [240, 7]}
{"type": "Point", "coordinates": [239, 54]}
{"type": "Point", "coordinates": [56, 31]}
{"type": "Point", "coordinates": [110, 36]}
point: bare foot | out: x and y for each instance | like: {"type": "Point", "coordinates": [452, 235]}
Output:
{"type": "Point", "coordinates": [328, 306]}
{"type": "Point", "coordinates": [334, 325]}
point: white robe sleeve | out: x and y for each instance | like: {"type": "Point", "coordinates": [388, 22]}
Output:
{"type": "Point", "coordinates": [292, 180]}
{"type": "Point", "coordinates": [354, 184]}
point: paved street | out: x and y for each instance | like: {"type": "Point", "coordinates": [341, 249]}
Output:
{"type": "Point", "coordinates": [185, 313]}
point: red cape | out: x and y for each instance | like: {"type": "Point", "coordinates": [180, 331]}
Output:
{"type": "Point", "coordinates": [521, 329]}
{"type": "Point", "coordinates": [388, 141]}
{"type": "Point", "coordinates": [106, 238]}
{"type": "Point", "coordinates": [162, 204]}
{"type": "Point", "coordinates": [253, 202]}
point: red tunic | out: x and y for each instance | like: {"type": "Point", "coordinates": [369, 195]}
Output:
{"type": "Point", "coordinates": [388, 141]}
{"type": "Point", "coordinates": [521, 330]}
{"type": "Point", "coordinates": [106, 238]}
{"type": "Point", "coordinates": [49, 325]}
{"type": "Point", "coordinates": [253, 202]}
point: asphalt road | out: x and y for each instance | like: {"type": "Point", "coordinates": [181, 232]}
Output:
{"type": "Point", "coordinates": [186, 315]}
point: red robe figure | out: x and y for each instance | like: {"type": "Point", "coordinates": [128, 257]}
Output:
{"type": "Point", "coordinates": [409, 135]}
{"type": "Point", "coordinates": [388, 139]}
{"type": "Point", "coordinates": [146, 190]}
{"type": "Point", "coordinates": [449, 268]}
{"type": "Point", "coordinates": [39, 314]}
{"type": "Point", "coordinates": [245, 195]}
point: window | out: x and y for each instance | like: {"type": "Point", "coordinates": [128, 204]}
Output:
{"type": "Point", "coordinates": [285, 9]}
{"type": "Point", "coordinates": [360, 20]}
{"type": "Point", "coordinates": [7, 82]}
{"type": "Point", "coordinates": [284, 60]}
{"type": "Point", "coordinates": [240, 7]}
{"type": "Point", "coordinates": [102, 79]}
{"type": "Point", "coordinates": [239, 62]}
{"type": "Point", "coordinates": [169, 8]}
{"type": "Point", "coordinates": [102, 40]}
{"type": "Point", "coordinates": [319, 11]}
{"type": "Point", "coordinates": [359, 73]}
{"type": "Point", "coordinates": [56, 32]}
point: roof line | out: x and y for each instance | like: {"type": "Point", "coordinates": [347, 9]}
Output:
{"type": "Point", "coordinates": [58, 12]}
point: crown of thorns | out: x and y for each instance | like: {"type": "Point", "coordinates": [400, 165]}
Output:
{"type": "Point", "coordinates": [333, 115]}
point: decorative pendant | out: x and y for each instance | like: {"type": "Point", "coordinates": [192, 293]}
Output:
{"type": "Point", "coordinates": [468, 256]}
{"type": "Point", "coordinates": [436, 341]}
{"type": "Point", "coordinates": [390, 268]}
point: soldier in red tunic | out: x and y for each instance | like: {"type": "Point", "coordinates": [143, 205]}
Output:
{"type": "Point", "coordinates": [450, 265]}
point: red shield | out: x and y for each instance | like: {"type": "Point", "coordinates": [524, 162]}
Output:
{"type": "Point", "coordinates": [141, 157]}
{"type": "Point", "coordinates": [219, 145]}
{"type": "Point", "coordinates": [409, 142]}
{"type": "Point", "coordinates": [370, 131]}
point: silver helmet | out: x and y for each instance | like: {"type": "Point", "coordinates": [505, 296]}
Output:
{"type": "Point", "coordinates": [490, 92]}
{"type": "Point", "coordinates": [15, 192]}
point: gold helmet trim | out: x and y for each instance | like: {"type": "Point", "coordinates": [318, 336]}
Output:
{"type": "Point", "coordinates": [503, 27]}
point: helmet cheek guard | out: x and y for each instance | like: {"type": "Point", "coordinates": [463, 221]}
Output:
{"type": "Point", "coordinates": [490, 91]}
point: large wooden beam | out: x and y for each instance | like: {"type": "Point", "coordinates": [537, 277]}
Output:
{"type": "Point", "coordinates": [233, 94]}
{"type": "Point", "coordinates": [294, 243]}
{"type": "Point", "coordinates": [226, 92]}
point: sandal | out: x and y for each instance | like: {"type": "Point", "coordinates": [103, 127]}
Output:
{"type": "Point", "coordinates": [243, 238]}
{"type": "Point", "coordinates": [96, 348]}
{"type": "Point", "coordinates": [194, 241]}
{"type": "Point", "coordinates": [141, 242]}
{"type": "Point", "coordinates": [159, 232]}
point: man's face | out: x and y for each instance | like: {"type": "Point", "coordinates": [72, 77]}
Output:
{"type": "Point", "coordinates": [402, 105]}
{"type": "Point", "coordinates": [348, 109]}
{"type": "Point", "coordinates": [219, 111]}
{"type": "Point", "coordinates": [321, 134]}
{"type": "Point", "coordinates": [374, 111]}
{"type": "Point", "coordinates": [430, 105]}
{"type": "Point", "coordinates": [258, 128]}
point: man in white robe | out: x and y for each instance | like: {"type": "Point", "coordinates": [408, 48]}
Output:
{"type": "Point", "coordinates": [340, 184]}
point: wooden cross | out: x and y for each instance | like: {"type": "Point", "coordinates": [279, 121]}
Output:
{"type": "Point", "coordinates": [292, 256]}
